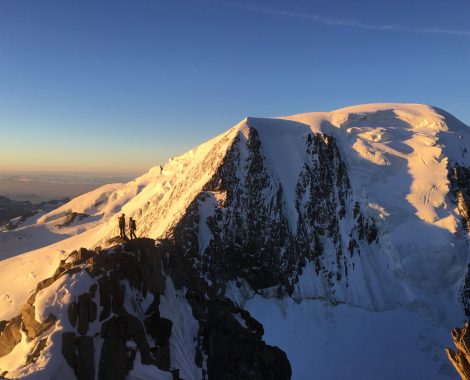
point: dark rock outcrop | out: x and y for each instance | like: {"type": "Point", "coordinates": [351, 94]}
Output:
{"type": "Point", "coordinates": [71, 217]}
{"type": "Point", "coordinates": [79, 352]}
{"type": "Point", "coordinates": [460, 186]}
{"type": "Point", "coordinates": [465, 292]}
{"type": "Point", "coordinates": [82, 313]}
{"type": "Point", "coordinates": [237, 352]}
{"type": "Point", "coordinates": [461, 357]}
{"type": "Point", "coordinates": [34, 355]}
{"type": "Point", "coordinates": [10, 335]}
{"type": "Point", "coordinates": [32, 327]}
{"type": "Point", "coordinates": [459, 178]}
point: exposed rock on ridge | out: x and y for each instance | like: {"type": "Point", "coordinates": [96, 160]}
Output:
{"type": "Point", "coordinates": [117, 319]}
{"type": "Point", "coordinates": [461, 357]}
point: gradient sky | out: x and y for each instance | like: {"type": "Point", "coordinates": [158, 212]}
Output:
{"type": "Point", "coordinates": [120, 86]}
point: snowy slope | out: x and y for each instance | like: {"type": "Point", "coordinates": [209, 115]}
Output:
{"type": "Point", "coordinates": [397, 159]}
{"type": "Point", "coordinates": [336, 342]}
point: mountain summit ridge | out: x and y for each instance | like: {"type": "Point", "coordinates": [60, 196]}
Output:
{"type": "Point", "coordinates": [362, 209]}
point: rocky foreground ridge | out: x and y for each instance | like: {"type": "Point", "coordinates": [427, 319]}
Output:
{"type": "Point", "coordinates": [111, 322]}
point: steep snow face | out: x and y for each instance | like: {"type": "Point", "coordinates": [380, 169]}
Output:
{"type": "Point", "coordinates": [301, 234]}
{"type": "Point", "coordinates": [187, 175]}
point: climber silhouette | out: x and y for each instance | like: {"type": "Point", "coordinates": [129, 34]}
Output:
{"type": "Point", "coordinates": [132, 228]}
{"type": "Point", "coordinates": [122, 226]}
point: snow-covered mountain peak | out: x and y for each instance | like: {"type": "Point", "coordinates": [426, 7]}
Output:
{"type": "Point", "coordinates": [364, 209]}
{"type": "Point", "coordinates": [397, 156]}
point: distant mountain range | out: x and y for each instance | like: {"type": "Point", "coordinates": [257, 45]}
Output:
{"type": "Point", "coordinates": [10, 209]}
{"type": "Point", "coordinates": [40, 187]}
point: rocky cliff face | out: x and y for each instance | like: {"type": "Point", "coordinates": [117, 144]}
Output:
{"type": "Point", "coordinates": [459, 177]}
{"type": "Point", "coordinates": [239, 229]}
{"type": "Point", "coordinates": [102, 308]}
{"type": "Point", "coordinates": [229, 340]}
{"type": "Point", "coordinates": [461, 357]}
{"type": "Point", "coordinates": [460, 183]}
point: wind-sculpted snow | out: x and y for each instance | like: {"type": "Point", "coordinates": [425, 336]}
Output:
{"type": "Point", "coordinates": [364, 207]}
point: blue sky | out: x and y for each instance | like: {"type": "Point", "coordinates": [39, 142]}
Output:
{"type": "Point", "coordinates": [120, 86]}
